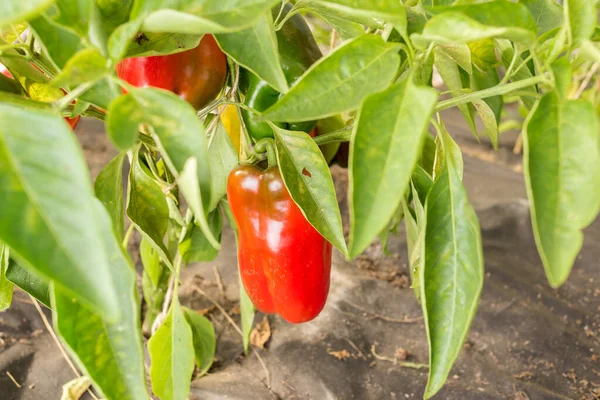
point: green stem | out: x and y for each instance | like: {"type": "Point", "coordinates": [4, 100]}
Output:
{"type": "Point", "coordinates": [128, 235]}
{"type": "Point", "coordinates": [267, 145]}
{"type": "Point", "coordinates": [72, 95]}
{"type": "Point", "coordinates": [387, 31]}
{"type": "Point", "coordinates": [342, 135]}
{"type": "Point", "coordinates": [493, 91]}
{"type": "Point", "coordinates": [509, 70]}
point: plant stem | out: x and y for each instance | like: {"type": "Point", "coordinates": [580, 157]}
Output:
{"type": "Point", "coordinates": [127, 236]}
{"type": "Point", "coordinates": [342, 135]}
{"type": "Point", "coordinates": [267, 145]}
{"type": "Point", "coordinates": [72, 95]}
{"type": "Point", "coordinates": [493, 91]}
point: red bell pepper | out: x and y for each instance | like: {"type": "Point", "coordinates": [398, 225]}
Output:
{"type": "Point", "coordinates": [284, 262]}
{"type": "Point", "coordinates": [196, 75]}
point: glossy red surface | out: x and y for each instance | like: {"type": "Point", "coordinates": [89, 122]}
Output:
{"type": "Point", "coordinates": [284, 262]}
{"type": "Point", "coordinates": [196, 75]}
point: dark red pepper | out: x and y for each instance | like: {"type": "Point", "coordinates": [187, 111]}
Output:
{"type": "Point", "coordinates": [284, 262]}
{"type": "Point", "coordinates": [196, 75]}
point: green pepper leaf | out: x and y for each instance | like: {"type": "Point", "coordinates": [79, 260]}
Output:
{"type": "Point", "coordinates": [547, 14]}
{"type": "Point", "coordinates": [507, 53]}
{"type": "Point", "coordinates": [12, 12]}
{"type": "Point", "coordinates": [109, 352]}
{"type": "Point", "coordinates": [147, 207]}
{"type": "Point", "coordinates": [109, 189]}
{"type": "Point", "coordinates": [415, 239]}
{"type": "Point", "coordinates": [488, 118]}
{"type": "Point", "coordinates": [46, 216]}
{"type": "Point", "coordinates": [31, 282]}
{"type": "Point", "coordinates": [255, 49]}
{"type": "Point", "coordinates": [151, 262]}
{"type": "Point", "coordinates": [448, 70]}
{"type": "Point", "coordinates": [582, 19]}
{"type": "Point", "coordinates": [162, 43]}
{"type": "Point", "coordinates": [195, 247]}
{"type": "Point", "coordinates": [459, 53]}
{"type": "Point", "coordinates": [388, 10]}
{"type": "Point", "coordinates": [463, 24]}
{"type": "Point", "coordinates": [121, 39]}
{"type": "Point", "coordinates": [589, 51]}
{"type": "Point", "coordinates": [308, 179]}
{"type": "Point", "coordinates": [86, 65]}
{"type": "Point", "coordinates": [380, 170]}
{"type": "Point", "coordinates": [247, 310]}
{"type": "Point", "coordinates": [560, 141]}
{"type": "Point", "coordinates": [6, 286]}
{"type": "Point", "coordinates": [446, 149]}
{"type": "Point", "coordinates": [200, 16]}
{"type": "Point", "coordinates": [483, 54]}
{"type": "Point", "coordinates": [181, 139]}
{"type": "Point", "coordinates": [484, 80]}
{"type": "Point", "coordinates": [454, 262]}
{"type": "Point", "coordinates": [222, 158]}
{"type": "Point", "coordinates": [60, 44]}
{"type": "Point", "coordinates": [172, 355]}
{"type": "Point", "coordinates": [340, 81]}
{"type": "Point", "coordinates": [421, 182]}
{"type": "Point", "coordinates": [345, 28]}
{"type": "Point", "coordinates": [205, 343]}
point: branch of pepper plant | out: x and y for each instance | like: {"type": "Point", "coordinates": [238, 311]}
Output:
{"type": "Point", "coordinates": [64, 101]}
{"type": "Point", "coordinates": [160, 318]}
{"type": "Point", "coordinates": [493, 91]}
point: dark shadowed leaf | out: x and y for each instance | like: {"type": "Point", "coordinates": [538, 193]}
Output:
{"type": "Point", "coordinates": [147, 207]}
{"type": "Point", "coordinates": [109, 189]}
{"type": "Point", "coordinates": [30, 282]}
{"type": "Point", "coordinates": [205, 343]}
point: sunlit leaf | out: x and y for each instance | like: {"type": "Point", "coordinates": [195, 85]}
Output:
{"type": "Point", "coordinates": [561, 163]}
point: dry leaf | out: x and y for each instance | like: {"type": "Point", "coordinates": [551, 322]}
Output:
{"type": "Point", "coordinates": [340, 355]}
{"type": "Point", "coordinates": [401, 354]}
{"type": "Point", "coordinates": [74, 389]}
{"type": "Point", "coordinates": [261, 333]}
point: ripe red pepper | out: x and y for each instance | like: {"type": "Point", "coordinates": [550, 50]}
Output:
{"type": "Point", "coordinates": [284, 262]}
{"type": "Point", "coordinates": [71, 121]}
{"type": "Point", "coordinates": [196, 75]}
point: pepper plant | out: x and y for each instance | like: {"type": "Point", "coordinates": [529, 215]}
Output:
{"type": "Point", "coordinates": [257, 101]}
